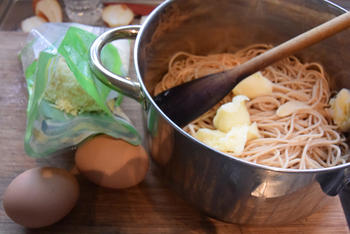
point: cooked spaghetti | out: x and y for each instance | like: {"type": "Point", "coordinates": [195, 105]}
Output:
{"type": "Point", "coordinates": [305, 139]}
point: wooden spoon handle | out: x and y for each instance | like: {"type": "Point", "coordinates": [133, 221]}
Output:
{"type": "Point", "coordinates": [287, 48]}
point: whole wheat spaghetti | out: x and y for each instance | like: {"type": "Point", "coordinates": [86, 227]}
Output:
{"type": "Point", "coordinates": [304, 140]}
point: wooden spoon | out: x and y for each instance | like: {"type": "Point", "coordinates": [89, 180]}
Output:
{"type": "Point", "coordinates": [186, 102]}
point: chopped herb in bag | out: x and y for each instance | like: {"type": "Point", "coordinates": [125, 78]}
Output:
{"type": "Point", "coordinates": [67, 103]}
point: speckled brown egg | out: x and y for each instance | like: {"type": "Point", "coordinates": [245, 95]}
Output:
{"type": "Point", "coordinates": [112, 163]}
{"type": "Point", "coordinates": [40, 196]}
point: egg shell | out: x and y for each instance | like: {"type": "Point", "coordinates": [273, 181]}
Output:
{"type": "Point", "coordinates": [112, 163]}
{"type": "Point", "coordinates": [40, 196]}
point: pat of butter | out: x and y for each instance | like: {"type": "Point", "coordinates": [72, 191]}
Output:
{"type": "Point", "coordinates": [232, 114]}
{"type": "Point", "coordinates": [210, 137]}
{"type": "Point", "coordinates": [253, 132]}
{"type": "Point", "coordinates": [253, 86]}
{"type": "Point", "coordinates": [340, 109]}
{"type": "Point", "coordinates": [290, 107]}
{"type": "Point", "coordinates": [232, 142]}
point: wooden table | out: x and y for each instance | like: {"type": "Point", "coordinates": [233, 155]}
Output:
{"type": "Point", "coordinates": [149, 207]}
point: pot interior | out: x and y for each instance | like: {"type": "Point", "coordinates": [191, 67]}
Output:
{"type": "Point", "coordinates": [201, 27]}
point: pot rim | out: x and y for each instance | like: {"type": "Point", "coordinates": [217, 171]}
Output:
{"type": "Point", "coordinates": [148, 96]}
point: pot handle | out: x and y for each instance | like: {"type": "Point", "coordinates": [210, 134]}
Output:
{"type": "Point", "coordinates": [337, 183]}
{"type": "Point", "coordinates": [344, 196]}
{"type": "Point", "coordinates": [121, 84]}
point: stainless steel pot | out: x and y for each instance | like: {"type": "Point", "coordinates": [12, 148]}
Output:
{"type": "Point", "coordinates": [223, 187]}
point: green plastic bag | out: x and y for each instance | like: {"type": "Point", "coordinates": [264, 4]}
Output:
{"type": "Point", "coordinates": [67, 103]}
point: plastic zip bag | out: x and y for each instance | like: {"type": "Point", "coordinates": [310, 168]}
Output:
{"type": "Point", "coordinates": [67, 103]}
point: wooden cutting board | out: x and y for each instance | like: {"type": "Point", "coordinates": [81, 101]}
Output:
{"type": "Point", "coordinates": [147, 208]}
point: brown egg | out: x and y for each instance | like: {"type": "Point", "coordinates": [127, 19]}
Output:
{"type": "Point", "coordinates": [40, 196]}
{"type": "Point", "coordinates": [112, 163]}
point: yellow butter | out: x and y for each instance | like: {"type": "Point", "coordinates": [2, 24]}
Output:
{"type": "Point", "coordinates": [340, 109]}
{"type": "Point", "coordinates": [231, 142]}
{"type": "Point", "coordinates": [236, 139]}
{"type": "Point", "coordinates": [232, 114]}
{"type": "Point", "coordinates": [208, 135]}
{"type": "Point", "coordinates": [233, 128]}
{"type": "Point", "coordinates": [253, 132]}
{"type": "Point", "coordinates": [254, 86]}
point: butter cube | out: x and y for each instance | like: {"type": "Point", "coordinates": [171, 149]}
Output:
{"type": "Point", "coordinates": [253, 86]}
{"type": "Point", "coordinates": [232, 114]}
{"type": "Point", "coordinates": [232, 142]}
{"type": "Point", "coordinates": [208, 136]}
{"type": "Point", "coordinates": [290, 107]}
{"type": "Point", "coordinates": [253, 132]}
{"type": "Point", "coordinates": [340, 109]}
{"type": "Point", "coordinates": [236, 139]}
